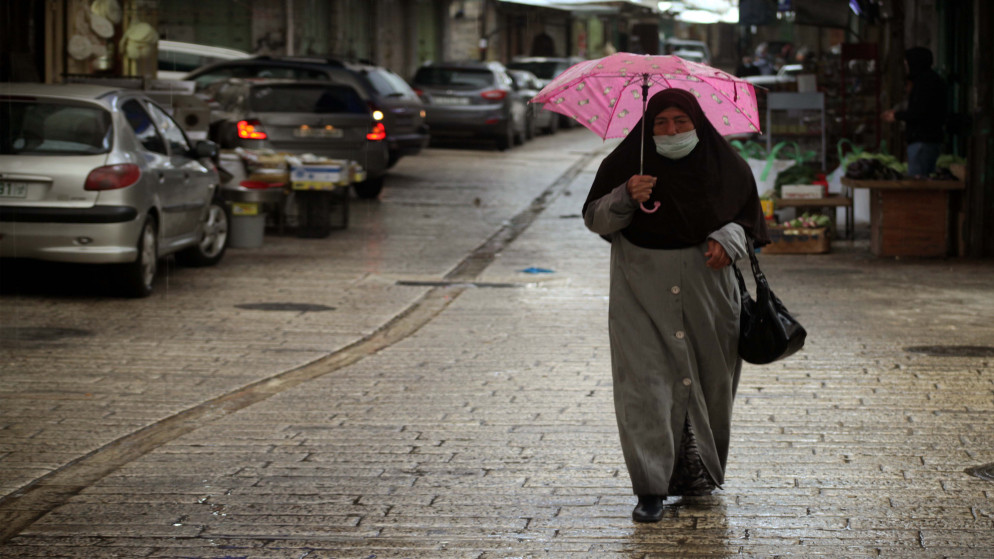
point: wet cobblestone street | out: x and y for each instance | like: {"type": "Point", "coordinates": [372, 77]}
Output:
{"type": "Point", "coordinates": [445, 410]}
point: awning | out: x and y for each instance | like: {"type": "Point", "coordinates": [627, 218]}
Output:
{"type": "Point", "coordinates": [587, 5]}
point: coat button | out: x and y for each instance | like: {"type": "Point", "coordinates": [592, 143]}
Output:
{"type": "Point", "coordinates": [675, 290]}
{"type": "Point", "coordinates": [679, 334]}
{"type": "Point", "coordinates": [687, 382]}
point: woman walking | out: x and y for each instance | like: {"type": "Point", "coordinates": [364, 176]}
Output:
{"type": "Point", "coordinates": [674, 301]}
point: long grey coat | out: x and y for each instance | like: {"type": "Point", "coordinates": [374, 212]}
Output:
{"type": "Point", "coordinates": [674, 326]}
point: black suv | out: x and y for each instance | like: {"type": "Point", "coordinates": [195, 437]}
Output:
{"type": "Point", "coordinates": [402, 110]}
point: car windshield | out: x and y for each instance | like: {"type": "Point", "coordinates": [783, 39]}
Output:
{"type": "Point", "coordinates": [256, 71]}
{"type": "Point", "coordinates": [691, 55]}
{"type": "Point", "coordinates": [53, 127]}
{"type": "Point", "coordinates": [544, 70]}
{"type": "Point", "coordinates": [389, 84]}
{"type": "Point", "coordinates": [454, 77]}
{"type": "Point", "coordinates": [298, 98]}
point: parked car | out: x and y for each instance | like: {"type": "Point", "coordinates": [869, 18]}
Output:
{"type": "Point", "coordinates": [686, 49]}
{"type": "Point", "coordinates": [177, 59]}
{"type": "Point", "coordinates": [391, 99]}
{"type": "Point", "coordinates": [546, 68]}
{"type": "Point", "coordinates": [99, 175]}
{"type": "Point", "coordinates": [786, 74]}
{"type": "Point", "coordinates": [472, 99]}
{"type": "Point", "coordinates": [690, 55]}
{"type": "Point", "coordinates": [539, 119]}
{"type": "Point", "coordinates": [327, 119]}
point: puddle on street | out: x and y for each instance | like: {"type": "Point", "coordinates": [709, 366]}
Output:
{"type": "Point", "coordinates": [412, 283]}
{"type": "Point", "coordinates": [40, 333]}
{"type": "Point", "coordinates": [985, 472]}
{"type": "Point", "coordinates": [820, 272]}
{"type": "Point", "coordinates": [953, 350]}
{"type": "Point", "coordinates": [285, 307]}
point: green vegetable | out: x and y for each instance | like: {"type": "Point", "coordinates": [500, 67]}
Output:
{"type": "Point", "coordinates": [796, 174]}
{"type": "Point", "coordinates": [809, 221]}
{"type": "Point", "coordinates": [947, 159]}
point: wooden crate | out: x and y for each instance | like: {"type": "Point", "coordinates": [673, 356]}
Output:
{"type": "Point", "coordinates": [798, 241]}
{"type": "Point", "coordinates": [909, 222]}
{"type": "Point", "coordinates": [909, 217]}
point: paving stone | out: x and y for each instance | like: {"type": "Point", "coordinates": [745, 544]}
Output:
{"type": "Point", "coordinates": [490, 431]}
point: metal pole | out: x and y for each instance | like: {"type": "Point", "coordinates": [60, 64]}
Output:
{"type": "Point", "coordinates": [645, 101]}
{"type": "Point", "coordinates": [289, 27]}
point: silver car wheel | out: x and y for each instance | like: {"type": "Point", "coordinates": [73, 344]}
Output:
{"type": "Point", "coordinates": [210, 247]}
{"type": "Point", "coordinates": [147, 258]}
{"type": "Point", "coordinates": [136, 277]}
{"type": "Point", "coordinates": [215, 231]}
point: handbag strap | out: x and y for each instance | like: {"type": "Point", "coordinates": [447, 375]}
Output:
{"type": "Point", "coordinates": [756, 271]}
{"type": "Point", "coordinates": [742, 284]}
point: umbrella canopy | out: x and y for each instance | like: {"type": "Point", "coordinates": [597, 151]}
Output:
{"type": "Point", "coordinates": [607, 95]}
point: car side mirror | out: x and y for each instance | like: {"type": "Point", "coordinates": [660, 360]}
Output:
{"type": "Point", "coordinates": [206, 149]}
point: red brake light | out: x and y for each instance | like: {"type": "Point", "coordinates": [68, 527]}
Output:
{"type": "Point", "coordinates": [261, 185]}
{"type": "Point", "coordinates": [494, 94]}
{"type": "Point", "coordinates": [111, 177]}
{"type": "Point", "coordinates": [378, 133]}
{"type": "Point", "coordinates": [250, 130]}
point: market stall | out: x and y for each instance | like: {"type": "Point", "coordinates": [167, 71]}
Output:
{"type": "Point", "coordinates": [307, 194]}
{"type": "Point", "coordinates": [909, 217]}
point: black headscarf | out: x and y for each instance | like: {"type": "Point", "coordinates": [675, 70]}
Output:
{"type": "Point", "coordinates": [919, 61]}
{"type": "Point", "coordinates": [698, 194]}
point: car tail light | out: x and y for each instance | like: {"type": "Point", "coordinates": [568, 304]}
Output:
{"type": "Point", "coordinates": [494, 94]}
{"type": "Point", "coordinates": [378, 133]}
{"type": "Point", "coordinates": [419, 92]}
{"type": "Point", "coordinates": [250, 130]}
{"type": "Point", "coordinates": [111, 177]}
{"type": "Point", "coordinates": [261, 185]}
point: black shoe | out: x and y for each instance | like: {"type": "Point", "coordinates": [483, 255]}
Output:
{"type": "Point", "coordinates": [649, 509]}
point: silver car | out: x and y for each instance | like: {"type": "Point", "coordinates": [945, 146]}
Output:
{"type": "Point", "coordinates": [100, 175]}
{"type": "Point", "coordinates": [472, 99]}
{"type": "Point", "coordinates": [539, 119]}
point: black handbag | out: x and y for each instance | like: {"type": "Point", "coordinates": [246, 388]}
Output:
{"type": "Point", "coordinates": [767, 331]}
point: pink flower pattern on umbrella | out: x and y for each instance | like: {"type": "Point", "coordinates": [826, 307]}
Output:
{"type": "Point", "coordinates": [605, 95]}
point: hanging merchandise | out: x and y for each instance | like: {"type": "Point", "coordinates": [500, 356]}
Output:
{"type": "Point", "coordinates": [109, 9]}
{"type": "Point", "coordinates": [79, 47]}
{"type": "Point", "coordinates": [101, 26]}
{"type": "Point", "coordinates": [139, 41]}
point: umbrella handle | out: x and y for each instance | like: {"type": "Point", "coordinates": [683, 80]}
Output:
{"type": "Point", "coordinates": [645, 101]}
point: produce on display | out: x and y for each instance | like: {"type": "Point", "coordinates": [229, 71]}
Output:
{"type": "Point", "coordinates": [807, 221]}
{"type": "Point", "coordinates": [796, 174]}
{"type": "Point", "coordinates": [875, 166]}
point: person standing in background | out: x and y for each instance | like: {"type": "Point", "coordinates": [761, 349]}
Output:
{"type": "Point", "coordinates": [926, 112]}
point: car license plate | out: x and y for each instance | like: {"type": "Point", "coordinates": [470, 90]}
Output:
{"type": "Point", "coordinates": [444, 100]}
{"type": "Point", "coordinates": [318, 132]}
{"type": "Point", "coordinates": [10, 189]}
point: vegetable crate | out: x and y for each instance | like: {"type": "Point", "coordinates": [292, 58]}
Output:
{"type": "Point", "coordinates": [798, 240]}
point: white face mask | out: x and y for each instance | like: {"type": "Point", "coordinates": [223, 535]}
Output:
{"type": "Point", "coordinates": [677, 145]}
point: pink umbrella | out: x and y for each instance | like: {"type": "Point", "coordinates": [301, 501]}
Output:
{"type": "Point", "coordinates": [608, 95]}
